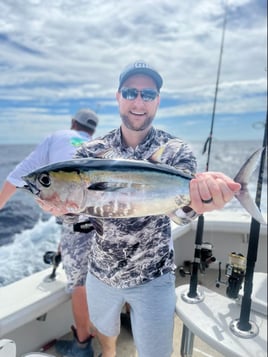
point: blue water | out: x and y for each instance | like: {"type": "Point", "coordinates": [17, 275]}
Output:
{"type": "Point", "coordinates": [26, 232]}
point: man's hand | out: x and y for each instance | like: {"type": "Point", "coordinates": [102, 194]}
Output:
{"type": "Point", "coordinates": [211, 191]}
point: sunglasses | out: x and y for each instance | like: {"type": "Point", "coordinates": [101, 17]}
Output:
{"type": "Point", "coordinates": [147, 94]}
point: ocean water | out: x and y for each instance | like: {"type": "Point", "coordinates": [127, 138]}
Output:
{"type": "Point", "coordinates": [26, 232]}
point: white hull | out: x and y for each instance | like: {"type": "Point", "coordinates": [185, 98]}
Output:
{"type": "Point", "coordinates": [34, 311]}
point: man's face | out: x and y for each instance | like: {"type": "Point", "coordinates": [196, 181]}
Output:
{"type": "Point", "coordinates": [138, 114]}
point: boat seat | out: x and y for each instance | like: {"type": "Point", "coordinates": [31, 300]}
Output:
{"type": "Point", "coordinates": [30, 298]}
{"type": "Point", "coordinates": [259, 293]}
{"type": "Point", "coordinates": [7, 348]}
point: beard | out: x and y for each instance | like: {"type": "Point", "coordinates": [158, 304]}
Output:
{"type": "Point", "coordinates": [137, 125]}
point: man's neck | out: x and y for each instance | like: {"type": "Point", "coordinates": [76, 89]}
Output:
{"type": "Point", "coordinates": [133, 138]}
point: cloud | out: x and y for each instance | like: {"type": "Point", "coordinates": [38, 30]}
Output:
{"type": "Point", "coordinates": [59, 55]}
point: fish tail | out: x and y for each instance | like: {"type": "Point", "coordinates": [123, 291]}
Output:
{"type": "Point", "coordinates": [243, 196]}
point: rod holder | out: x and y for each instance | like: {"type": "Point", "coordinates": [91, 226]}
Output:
{"type": "Point", "coordinates": [199, 297]}
{"type": "Point", "coordinates": [253, 330]}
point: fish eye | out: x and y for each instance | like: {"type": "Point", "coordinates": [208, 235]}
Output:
{"type": "Point", "coordinates": [44, 179]}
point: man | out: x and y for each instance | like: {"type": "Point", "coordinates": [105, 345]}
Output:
{"type": "Point", "coordinates": [74, 245]}
{"type": "Point", "coordinates": [132, 260]}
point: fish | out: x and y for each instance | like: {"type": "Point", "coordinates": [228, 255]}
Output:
{"type": "Point", "coordinates": [125, 188]}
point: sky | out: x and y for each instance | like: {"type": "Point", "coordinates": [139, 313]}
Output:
{"type": "Point", "coordinates": [58, 56]}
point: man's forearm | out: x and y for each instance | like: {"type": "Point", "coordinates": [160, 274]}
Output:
{"type": "Point", "coordinates": [7, 191]}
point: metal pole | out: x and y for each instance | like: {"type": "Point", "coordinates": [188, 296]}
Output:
{"type": "Point", "coordinates": [244, 323]}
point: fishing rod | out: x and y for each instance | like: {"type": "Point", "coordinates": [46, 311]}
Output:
{"type": "Point", "coordinates": [208, 142]}
{"type": "Point", "coordinates": [200, 223]}
{"type": "Point", "coordinates": [243, 326]}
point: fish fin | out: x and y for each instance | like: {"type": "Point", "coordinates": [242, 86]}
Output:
{"type": "Point", "coordinates": [98, 226]}
{"type": "Point", "coordinates": [107, 154]}
{"type": "Point", "coordinates": [106, 186]}
{"type": "Point", "coordinates": [95, 222]}
{"type": "Point", "coordinates": [243, 196]}
{"type": "Point", "coordinates": [155, 158]}
{"type": "Point", "coordinates": [100, 231]}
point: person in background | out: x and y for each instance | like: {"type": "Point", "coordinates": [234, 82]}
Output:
{"type": "Point", "coordinates": [75, 242]}
{"type": "Point", "coordinates": [132, 259]}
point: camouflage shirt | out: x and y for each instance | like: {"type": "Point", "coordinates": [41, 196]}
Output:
{"type": "Point", "coordinates": [133, 251]}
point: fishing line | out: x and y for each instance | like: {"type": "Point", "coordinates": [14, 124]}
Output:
{"type": "Point", "coordinates": [200, 223]}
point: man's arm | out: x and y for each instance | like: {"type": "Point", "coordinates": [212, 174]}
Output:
{"type": "Point", "coordinates": [35, 159]}
{"type": "Point", "coordinates": [7, 191]}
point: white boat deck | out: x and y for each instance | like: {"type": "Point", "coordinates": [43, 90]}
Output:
{"type": "Point", "coordinates": [34, 311]}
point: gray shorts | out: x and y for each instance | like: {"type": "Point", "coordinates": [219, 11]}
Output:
{"type": "Point", "coordinates": [152, 307]}
{"type": "Point", "coordinates": [75, 250]}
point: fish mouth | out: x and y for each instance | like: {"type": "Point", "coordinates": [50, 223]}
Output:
{"type": "Point", "coordinates": [32, 188]}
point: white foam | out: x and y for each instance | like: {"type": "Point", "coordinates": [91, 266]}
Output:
{"type": "Point", "coordinates": [25, 255]}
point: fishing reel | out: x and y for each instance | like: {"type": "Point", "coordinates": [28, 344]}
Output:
{"type": "Point", "coordinates": [235, 271]}
{"type": "Point", "coordinates": [206, 258]}
{"type": "Point", "coordinates": [52, 258]}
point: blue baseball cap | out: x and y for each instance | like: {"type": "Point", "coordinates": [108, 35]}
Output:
{"type": "Point", "coordinates": [140, 67]}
